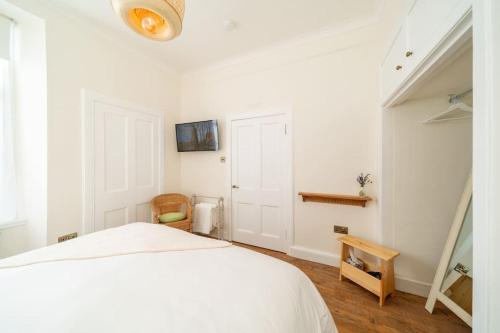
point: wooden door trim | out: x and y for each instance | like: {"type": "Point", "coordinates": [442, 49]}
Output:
{"type": "Point", "coordinates": [88, 100]}
{"type": "Point", "coordinates": [289, 181]}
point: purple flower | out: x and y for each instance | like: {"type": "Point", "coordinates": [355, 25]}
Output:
{"type": "Point", "coordinates": [363, 180]}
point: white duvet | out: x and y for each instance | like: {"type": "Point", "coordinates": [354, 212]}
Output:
{"type": "Point", "coordinates": [150, 278]}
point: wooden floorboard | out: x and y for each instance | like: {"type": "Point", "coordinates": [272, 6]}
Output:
{"type": "Point", "coordinates": [356, 310]}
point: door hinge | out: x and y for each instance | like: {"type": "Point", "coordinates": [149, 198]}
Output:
{"type": "Point", "coordinates": [285, 130]}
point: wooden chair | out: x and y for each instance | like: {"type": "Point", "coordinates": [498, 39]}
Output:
{"type": "Point", "coordinates": [169, 203]}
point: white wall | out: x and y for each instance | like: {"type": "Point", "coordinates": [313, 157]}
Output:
{"type": "Point", "coordinates": [427, 168]}
{"type": "Point", "coordinates": [331, 85]}
{"type": "Point", "coordinates": [80, 57]}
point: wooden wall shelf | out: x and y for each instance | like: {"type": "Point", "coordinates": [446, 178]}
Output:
{"type": "Point", "coordinates": [335, 199]}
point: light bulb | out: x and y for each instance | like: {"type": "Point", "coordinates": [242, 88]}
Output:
{"type": "Point", "coordinates": [148, 23]}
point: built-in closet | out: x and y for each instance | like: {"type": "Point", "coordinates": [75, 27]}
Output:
{"type": "Point", "coordinates": [426, 156]}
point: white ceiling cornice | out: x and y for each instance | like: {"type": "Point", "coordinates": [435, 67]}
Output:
{"type": "Point", "coordinates": [199, 49]}
{"type": "Point", "coordinates": [270, 50]}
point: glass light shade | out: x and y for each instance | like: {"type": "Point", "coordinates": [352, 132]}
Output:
{"type": "Point", "coordinates": [154, 19]}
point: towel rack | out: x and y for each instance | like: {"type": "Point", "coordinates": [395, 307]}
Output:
{"type": "Point", "coordinates": [220, 210]}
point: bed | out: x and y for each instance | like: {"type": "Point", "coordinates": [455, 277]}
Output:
{"type": "Point", "coordinates": [150, 278]}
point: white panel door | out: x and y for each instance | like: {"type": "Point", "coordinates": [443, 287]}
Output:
{"type": "Point", "coordinates": [126, 164]}
{"type": "Point", "coordinates": [258, 181]}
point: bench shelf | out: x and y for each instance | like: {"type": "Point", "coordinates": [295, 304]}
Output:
{"type": "Point", "coordinates": [383, 287]}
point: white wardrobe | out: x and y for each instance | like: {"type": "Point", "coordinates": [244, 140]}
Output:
{"type": "Point", "coordinates": [123, 159]}
{"type": "Point", "coordinates": [425, 163]}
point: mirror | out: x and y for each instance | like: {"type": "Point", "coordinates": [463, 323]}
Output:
{"type": "Point", "coordinates": [453, 281]}
{"type": "Point", "coordinates": [457, 283]}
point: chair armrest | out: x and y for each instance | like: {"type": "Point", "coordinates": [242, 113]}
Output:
{"type": "Point", "coordinates": [155, 214]}
{"type": "Point", "coordinates": [189, 210]}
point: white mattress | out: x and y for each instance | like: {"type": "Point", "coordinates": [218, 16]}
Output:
{"type": "Point", "coordinates": [205, 287]}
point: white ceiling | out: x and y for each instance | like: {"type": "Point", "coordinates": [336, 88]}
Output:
{"type": "Point", "coordinates": [260, 23]}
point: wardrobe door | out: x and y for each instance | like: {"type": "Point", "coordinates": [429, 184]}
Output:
{"type": "Point", "coordinates": [428, 22]}
{"type": "Point", "coordinates": [123, 165]}
{"type": "Point", "coordinates": [394, 68]}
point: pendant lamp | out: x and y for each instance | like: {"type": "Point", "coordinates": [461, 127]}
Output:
{"type": "Point", "coordinates": [155, 19]}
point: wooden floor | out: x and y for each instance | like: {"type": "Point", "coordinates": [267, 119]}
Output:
{"type": "Point", "coordinates": [356, 310]}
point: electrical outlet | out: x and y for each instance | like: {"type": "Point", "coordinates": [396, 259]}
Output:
{"type": "Point", "coordinates": [67, 237]}
{"type": "Point", "coordinates": [338, 229]}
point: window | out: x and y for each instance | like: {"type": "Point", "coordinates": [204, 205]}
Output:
{"type": "Point", "coordinates": [8, 188]}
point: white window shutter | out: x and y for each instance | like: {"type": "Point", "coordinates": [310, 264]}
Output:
{"type": "Point", "coordinates": [5, 37]}
{"type": "Point", "coordinates": [8, 185]}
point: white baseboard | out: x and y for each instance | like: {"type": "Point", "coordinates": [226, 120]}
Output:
{"type": "Point", "coordinates": [413, 287]}
{"type": "Point", "coordinates": [404, 284]}
{"type": "Point", "coordinates": [313, 255]}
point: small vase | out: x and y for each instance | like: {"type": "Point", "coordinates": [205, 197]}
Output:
{"type": "Point", "coordinates": [362, 192]}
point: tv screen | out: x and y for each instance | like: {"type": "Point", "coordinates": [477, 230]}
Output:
{"type": "Point", "coordinates": [198, 136]}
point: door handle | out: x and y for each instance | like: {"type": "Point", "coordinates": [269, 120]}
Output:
{"type": "Point", "coordinates": [236, 186]}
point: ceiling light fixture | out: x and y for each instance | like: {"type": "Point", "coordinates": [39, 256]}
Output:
{"type": "Point", "coordinates": [155, 19]}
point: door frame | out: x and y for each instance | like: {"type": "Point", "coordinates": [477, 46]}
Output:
{"type": "Point", "coordinates": [486, 163]}
{"type": "Point", "coordinates": [289, 181]}
{"type": "Point", "coordinates": [88, 100]}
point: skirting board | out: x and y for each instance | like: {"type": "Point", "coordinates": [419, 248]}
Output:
{"type": "Point", "coordinates": [313, 255]}
{"type": "Point", "coordinates": [402, 283]}
{"type": "Point", "coordinates": [413, 287]}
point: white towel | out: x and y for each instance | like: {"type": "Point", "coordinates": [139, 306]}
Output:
{"type": "Point", "coordinates": [205, 217]}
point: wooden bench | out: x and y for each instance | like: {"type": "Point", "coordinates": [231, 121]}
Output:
{"type": "Point", "coordinates": [383, 287]}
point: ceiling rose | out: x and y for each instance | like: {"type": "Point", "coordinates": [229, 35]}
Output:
{"type": "Point", "coordinates": [155, 19]}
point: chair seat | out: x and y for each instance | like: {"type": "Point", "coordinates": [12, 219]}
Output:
{"type": "Point", "coordinates": [172, 217]}
{"type": "Point", "coordinates": [183, 225]}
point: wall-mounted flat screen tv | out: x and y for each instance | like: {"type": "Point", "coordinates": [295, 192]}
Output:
{"type": "Point", "coordinates": [198, 136]}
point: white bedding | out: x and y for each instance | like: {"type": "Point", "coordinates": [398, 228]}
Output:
{"type": "Point", "coordinates": [164, 280]}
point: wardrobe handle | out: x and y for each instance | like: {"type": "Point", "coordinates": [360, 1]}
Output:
{"type": "Point", "coordinates": [408, 54]}
{"type": "Point", "coordinates": [236, 186]}
{"type": "Point", "coordinates": [399, 67]}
